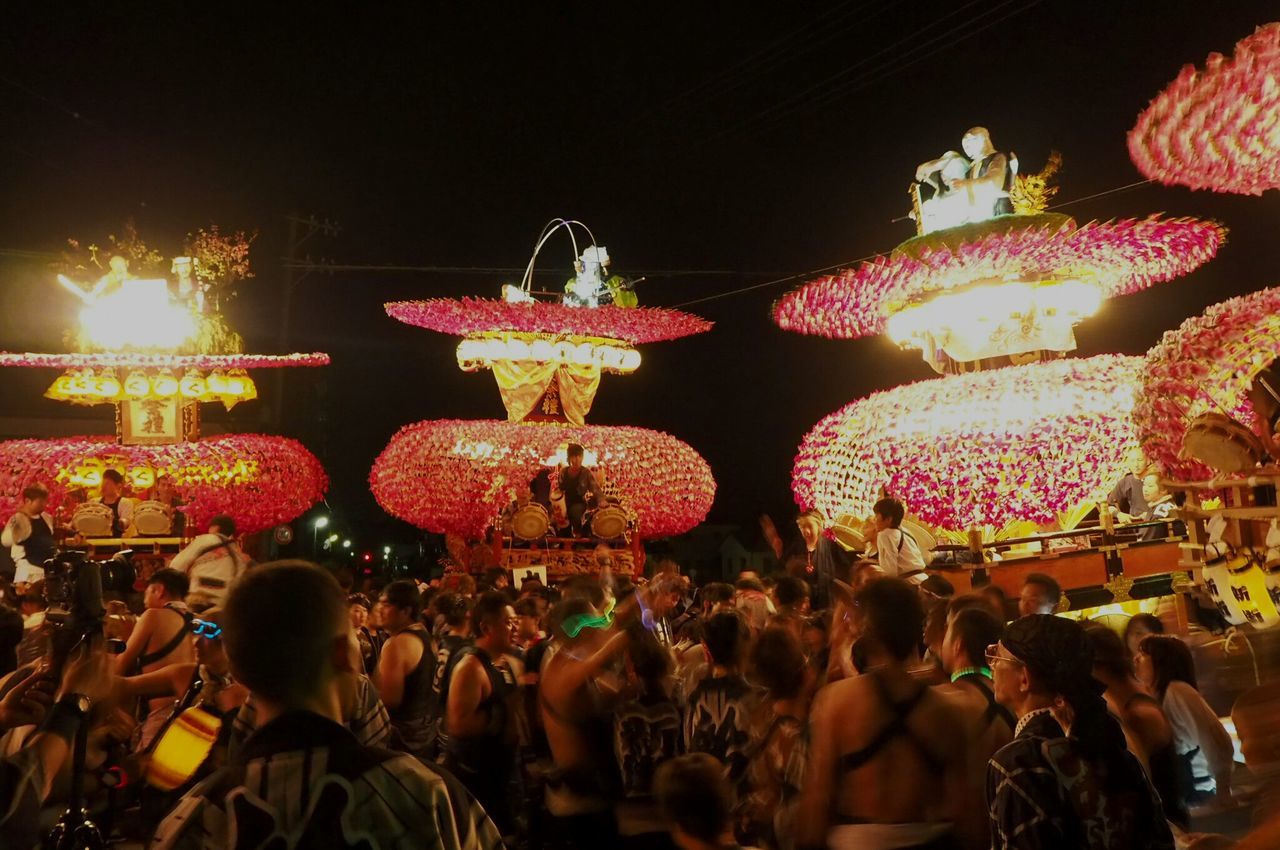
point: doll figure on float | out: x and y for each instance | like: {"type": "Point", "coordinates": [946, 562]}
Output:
{"type": "Point", "coordinates": [585, 289]}
{"type": "Point", "coordinates": [957, 189]}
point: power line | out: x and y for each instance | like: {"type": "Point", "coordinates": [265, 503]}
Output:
{"type": "Point", "coordinates": [321, 266]}
{"type": "Point", "coordinates": [847, 263]}
{"type": "Point", "coordinates": [811, 96]}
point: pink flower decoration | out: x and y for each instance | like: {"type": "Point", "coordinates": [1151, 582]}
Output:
{"type": "Point", "coordinates": [1205, 366]}
{"type": "Point", "coordinates": [976, 450]}
{"type": "Point", "coordinates": [1121, 257]}
{"type": "Point", "coordinates": [1218, 128]}
{"type": "Point", "coordinates": [261, 481]}
{"type": "Point", "coordinates": [457, 476]}
{"type": "Point", "coordinates": [467, 316]}
{"type": "Point", "coordinates": [163, 361]}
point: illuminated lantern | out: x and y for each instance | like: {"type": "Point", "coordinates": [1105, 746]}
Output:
{"type": "Point", "coordinates": [192, 385]}
{"type": "Point", "coordinates": [137, 386]}
{"type": "Point", "coordinates": [631, 360]}
{"type": "Point", "coordinates": [216, 383]}
{"type": "Point", "coordinates": [141, 478]}
{"type": "Point", "coordinates": [518, 349]}
{"type": "Point", "coordinates": [79, 382]}
{"type": "Point", "coordinates": [542, 351]}
{"type": "Point", "coordinates": [165, 385]}
{"type": "Point", "coordinates": [108, 387]}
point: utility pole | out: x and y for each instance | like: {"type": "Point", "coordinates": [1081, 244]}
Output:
{"type": "Point", "coordinates": [300, 231]}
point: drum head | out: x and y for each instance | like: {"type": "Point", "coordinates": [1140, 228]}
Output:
{"type": "Point", "coordinates": [530, 522]}
{"type": "Point", "coordinates": [851, 539]}
{"type": "Point", "coordinates": [92, 519]}
{"type": "Point", "coordinates": [1222, 444]}
{"type": "Point", "coordinates": [609, 523]}
{"type": "Point", "coordinates": [151, 520]}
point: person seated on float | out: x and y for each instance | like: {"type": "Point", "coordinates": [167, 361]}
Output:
{"type": "Point", "coordinates": [990, 175]}
{"type": "Point", "coordinates": [29, 534]}
{"type": "Point", "coordinates": [578, 485]}
{"type": "Point", "coordinates": [896, 551]}
{"type": "Point", "coordinates": [113, 497]}
{"type": "Point", "coordinates": [1126, 499]}
{"type": "Point", "coordinates": [1160, 505]}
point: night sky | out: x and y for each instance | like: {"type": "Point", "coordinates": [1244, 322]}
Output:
{"type": "Point", "coordinates": [761, 140]}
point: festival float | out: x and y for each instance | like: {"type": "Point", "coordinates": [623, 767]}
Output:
{"type": "Point", "coordinates": [494, 485]}
{"type": "Point", "coordinates": [1016, 442]}
{"type": "Point", "coordinates": [155, 347]}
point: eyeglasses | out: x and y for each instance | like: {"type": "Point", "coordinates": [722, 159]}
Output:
{"type": "Point", "coordinates": [206, 629]}
{"type": "Point", "coordinates": [993, 655]}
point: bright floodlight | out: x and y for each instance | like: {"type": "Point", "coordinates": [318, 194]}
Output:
{"type": "Point", "coordinates": [139, 315]}
{"type": "Point", "coordinates": [322, 522]}
{"type": "Point", "coordinates": [346, 544]}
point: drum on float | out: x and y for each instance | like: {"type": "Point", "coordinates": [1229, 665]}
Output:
{"type": "Point", "coordinates": [152, 519]}
{"type": "Point", "coordinates": [1222, 444]}
{"type": "Point", "coordinates": [531, 522]}
{"type": "Point", "coordinates": [609, 522]}
{"type": "Point", "coordinates": [93, 519]}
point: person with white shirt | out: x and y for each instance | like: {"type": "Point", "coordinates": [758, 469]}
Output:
{"type": "Point", "coordinates": [213, 561]}
{"type": "Point", "coordinates": [897, 551]}
{"type": "Point", "coordinates": [29, 534]}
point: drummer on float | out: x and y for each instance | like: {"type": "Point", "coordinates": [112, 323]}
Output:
{"type": "Point", "coordinates": [579, 487]}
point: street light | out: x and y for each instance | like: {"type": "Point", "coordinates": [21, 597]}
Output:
{"type": "Point", "coordinates": [346, 544]}
{"type": "Point", "coordinates": [317, 524]}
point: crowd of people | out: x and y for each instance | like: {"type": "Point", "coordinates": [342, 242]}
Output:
{"type": "Point", "coordinates": [849, 706]}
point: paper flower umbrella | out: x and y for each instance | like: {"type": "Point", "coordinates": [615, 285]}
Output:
{"type": "Point", "coordinates": [1217, 128]}
{"type": "Point", "coordinates": [981, 450]}
{"type": "Point", "coordinates": [1205, 366]}
{"type": "Point", "coordinates": [457, 476]}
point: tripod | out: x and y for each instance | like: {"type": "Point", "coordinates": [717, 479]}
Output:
{"type": "Point", "coordinates": [74, 830]}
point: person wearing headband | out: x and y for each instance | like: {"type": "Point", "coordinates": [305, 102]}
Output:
{"type": "Point", "coordinates": [1067, 779]}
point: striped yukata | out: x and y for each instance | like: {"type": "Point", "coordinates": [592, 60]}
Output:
{"type": "Point", "coordinates": [302, 781]}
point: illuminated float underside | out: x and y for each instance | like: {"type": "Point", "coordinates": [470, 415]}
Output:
{"type": "Point", "coordinates": [260, 480]}
{"type": "Point", "coordinates": [156, 349]}
{"type": "Point", "coordinates": [983, 450]}
{"type": "Point", "coordinates": [471, 478]}
{"type": "Point", "coordinates": [457, 476]}
{"type": "Point", "coordinates": [1219, 128]}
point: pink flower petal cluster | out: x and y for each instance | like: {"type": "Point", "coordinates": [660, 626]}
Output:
{"type": "Point", "coordinates": [467, 316]}
{"type": "Point", "coordinates": [259, 480]}
{"type": "Point", "coordinates": [1218, 128]}
{"type": "Point", "coordinates": [456, 476]}
{"type": "Point", "coordinates": [1121, 257]}
{"type": "Point", "coordinates": [1205, 366]}
{"type": "Point", "coordinates": [976, 450]}
{"type": "Point", "coordinates": [125, 360]}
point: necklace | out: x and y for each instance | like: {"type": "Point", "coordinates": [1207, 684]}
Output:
{"type": "Point", "coordinates": [1027, 718]}
{"type": "Point", "coordinates": [970, 671]}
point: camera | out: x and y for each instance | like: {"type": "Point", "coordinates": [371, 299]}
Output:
{"type": "Point", "coordinates": [73, 591]}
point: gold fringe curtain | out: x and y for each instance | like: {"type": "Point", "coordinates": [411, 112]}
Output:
{"type": "Point", "coordinates": [522, 383]}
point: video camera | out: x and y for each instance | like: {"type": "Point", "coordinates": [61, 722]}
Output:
{"type": "Point", "coordinates": [73, 585]}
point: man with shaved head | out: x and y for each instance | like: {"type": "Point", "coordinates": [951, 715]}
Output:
{"type": "Point", "coordinates": [302, 774]}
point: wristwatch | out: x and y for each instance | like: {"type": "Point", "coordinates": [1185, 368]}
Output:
{"type": "Point", "coordinates": [79, 702]}
{"type": "Point", "coordinates": [67, 715]}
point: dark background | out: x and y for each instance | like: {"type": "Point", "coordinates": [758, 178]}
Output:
{"type": "Point", "coordinates": [762, 140]}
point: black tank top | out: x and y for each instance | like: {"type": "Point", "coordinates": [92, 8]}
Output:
{"type": "Point", "coordinates": [411, 719]}
{"type": "Point", "coordinates": [494, 749]}
{"type": "Point", "coordinates": [40, 545]}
